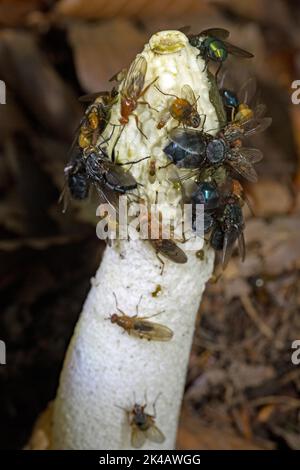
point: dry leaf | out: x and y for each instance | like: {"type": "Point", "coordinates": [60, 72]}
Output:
{"type": "Point", "coordinates": [291, 438]}
{"type": "Point", "coordinates": [236, 288]}
{"type": "Point", "coordinates": [275, 13]}
{"type": "Point", "coordinates": [14, 12]}
{"type": "Point", "coordinates": [247, 375]}
{"type": "Point", "coordinates": [209, 380]}
{"type": "Point", "coordinates": [193, 435]}
{"type": "Point", "coordinates": [270, 198]}
{"type": "Point", "coordinates": [265, 413]}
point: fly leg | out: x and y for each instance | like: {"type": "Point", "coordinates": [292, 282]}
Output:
{"type": "Point", "coordinates": [202, 126]}
{"type": "Point", "coordinates": [138, 126]}
{"type": "Point", "coordinates": [133, 162]}
{"type": "Point", "coordinates": [137, 306]}
{"type": "Point", "coordinates": [165, 166]}
{"type": "Point", "coordinates": [154, 404]}
{"type": "Point", "coordinates": [232, 112]}
{"type": "Point", "coordinates": [117, 307]}
{"type": "Point", "coordinates": [147, 104]}
{"type": "Point", "coordinates": [144, 92]}
{"type": "Point", "coordinates": [145, 399]}
{"type": "Point", "coordinates": [147, 87]}
{"type": "Point", "coordinates": [218, 70]}
{"type": "Point", "coordinates": [162, 267]}
{"type": "Point", "coordinates": [153, 315]}
{"type": "Point", "coordinates": [206, 63]}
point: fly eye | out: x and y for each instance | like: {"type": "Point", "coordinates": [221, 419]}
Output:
{"type": "Point", "coordinates": [195, 121]}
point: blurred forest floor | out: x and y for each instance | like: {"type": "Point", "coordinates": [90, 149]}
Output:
{"type": "Point", "coordinates": [242, 389]}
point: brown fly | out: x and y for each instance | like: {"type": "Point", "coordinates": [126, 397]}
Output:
{"type": "Point", "coordinates": [141, 326]}
{"type": "Point", "coordinates": [132, 90]}
{"type": "Point", "coordinates": [143, 426]}
{"type": "Point", "coordinates": [183, 109]}
{"type": "Point", "coordinates": [96, 117]}
{"type": "Point", "coordinates": [162, 241]}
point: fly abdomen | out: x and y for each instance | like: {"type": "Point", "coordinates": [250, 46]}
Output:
{"type": "Point", "coordinates": [78, 185]}
{"type": "Point", "coordinates": [183, 158]}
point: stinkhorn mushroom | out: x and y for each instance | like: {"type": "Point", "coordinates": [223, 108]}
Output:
{"type": "Point", "coordinates": [105, 371]}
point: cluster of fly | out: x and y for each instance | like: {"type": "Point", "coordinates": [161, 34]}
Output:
{"type": "Point", "coordinates": [143, 425]}
{"type": "Point", "coordinates": [195, 152]}
{"type": "Point", "coordinates": [212, 166]}
{"type": "Point", "coordinates": [89, 164]}
{"type": "Point", "coordinates": [216, 163]}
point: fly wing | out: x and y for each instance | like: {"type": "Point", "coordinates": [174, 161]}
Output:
{"type": "Point", "coordinates": [108, 196]}
{"type": "Point", "coordinates": [135, 79]}
{"type": "Point", "coordinates": [260, 110]}
{"type": "Point", "coordinates": [117, 178]}
{"type": "Point", "coordinates": [64, 198]}
{"type": "Point", "coordinates": [247, 91]}
{"type": "Point", "coordinates": [170, 250]}
{"type": "Point", "coordinates": [155, 435]}
{"type": "Point", "coordinates": [223, 79]}
{"type": "Point", "coordinates": [230, 238]}
{"type": "Point", "coordinates": [191, 140]}
{"type": "Point", "coordinates": [74, 146]}
{"type": "Point", "coordinates": [151, 331]}
{"type": "Point", "coordinates": [219, 33]}
{"type": "Point", "coordinates": [241, 160]}
{"type": "Point", "coordinates": [254, 126]}
{"type": "Point", "coordinates": [74, 149]}
{"type": "Point", "coordinates": [237, 51]}
{"type": "Point", "coordinates": [185, 175]}
{"type": "Point", "coordinates": [188, 94]}
{"type": "Point", "coordinates": [184, 29]}
{"type": "Point", "coordinates": [138, 437]}
{"type": "Point", "coordinates": [119, 76]}
{"type": "Point", "coordinates": [72, 166]}
{"type": "Point", "coordinates": [92, 96]}
{"type": "Point", "coordinates": [251, 154]}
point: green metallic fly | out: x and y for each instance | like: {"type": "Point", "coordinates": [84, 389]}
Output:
{"type": "Point", "coordinates": [212, 45]}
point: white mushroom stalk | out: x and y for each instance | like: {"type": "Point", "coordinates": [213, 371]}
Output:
{"type": "Point", "coordinates": [106, 370]}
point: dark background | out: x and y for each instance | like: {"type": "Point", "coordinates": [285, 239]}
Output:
{"type": "Point", "coordinates": [242, 389]}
